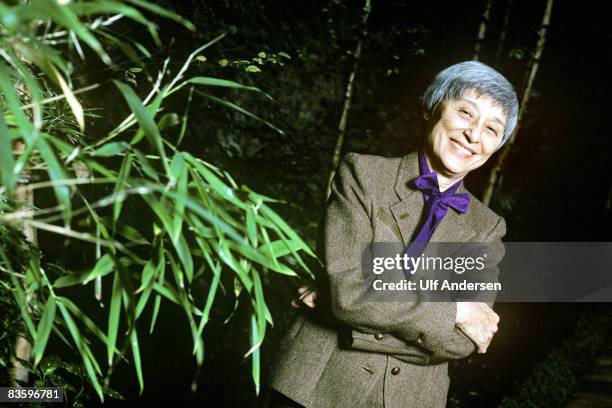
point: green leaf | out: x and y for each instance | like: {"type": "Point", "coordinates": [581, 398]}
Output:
{"type": "Point", "coordinates": [113, 318]}
{"type": "Point", "coordinates": [86, 321]}
{"type": "Point", "coordinates": [201, 80]}
{"type": "Point", "coordinates": [44, 329]}
{"type": "Point", "coordinates": [145, 120]}
{"type": "Point", "coordinates": [168, 120]}
{"type": "Point", "coordinates": [103, 267]}
{"type": "Point", "coordinates": [179, 176]}
{"type": "Point", "coordinates": [124, 173]}
{"type": "Point", "coordinates": [255, 363]}
{"type": "Point", "coordinates": [73, 102]}
{"type": "Point", "coordinates": [111, 149]}
{"type": "Point", "coordinates": [136, 353]}
{"type": "Point", "coordinates": [160, 11]}
{"type": "Point", "coordinates": [240, 109]}
{"type": "Point", "coordinates": [65, 17]}
{"type": "Point", "coordinates": [56, 173]}
{"type": "Point", "coordinates": [83, 349]}
{"type": "Point", "coordinates": [251, 226]}
{"type": "Point", "coordinates": [184, 253]}
{"type": "Point", "coordinates": [253, 68]}
{"type": "Point", "coordinates": [252, 254]}
{"type": "Point", "coordinates": [7, 162]}
{"type": "Point", "coordinates": [279, 248]}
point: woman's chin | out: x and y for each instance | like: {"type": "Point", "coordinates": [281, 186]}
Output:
{"type": "Point", "coordinates": [455, 165]}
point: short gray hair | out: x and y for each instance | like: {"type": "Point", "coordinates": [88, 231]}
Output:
{"type": "Point", "coordinates": [452, 82]}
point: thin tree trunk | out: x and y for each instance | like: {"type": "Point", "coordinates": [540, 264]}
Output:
{"type": "Point", "coordinates": [482, 31]}
{"type": "Point", "coordinates": [504, 30]}
{"type": "Point", "coordinates": [348, 97]}
{"type": "Point", "coordinates": [497, 169]}
{"type": "Point", "coordinates": [23, 348]}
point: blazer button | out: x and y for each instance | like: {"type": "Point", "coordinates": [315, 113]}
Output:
{"type": "Point", "coordinates": [395, 370]}
{"type": "Point", "coordinates": [419, 339]}
{"type": "Point", "coordinates": [379, 336]}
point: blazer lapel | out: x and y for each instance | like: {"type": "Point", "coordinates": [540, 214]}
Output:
{"type": "Point", "coordinates": [407, 211]}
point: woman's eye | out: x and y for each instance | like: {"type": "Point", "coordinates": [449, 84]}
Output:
{"type": "Point", "coordinates": [465, 112]}
{"type": "Point", "coordinates": [493, 131]}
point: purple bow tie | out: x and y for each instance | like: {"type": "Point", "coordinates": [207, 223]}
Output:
{"type": "Point", "coordinates": [428, 184]}
{"type": "Point", "coordinates": [436, 207]}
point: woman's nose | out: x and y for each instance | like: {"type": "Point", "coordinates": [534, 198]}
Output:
{"type": "Point", "coordinates": [472, 133]}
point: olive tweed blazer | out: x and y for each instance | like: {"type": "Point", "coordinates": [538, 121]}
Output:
{"type": "Point", "coordinates": [353, 352]}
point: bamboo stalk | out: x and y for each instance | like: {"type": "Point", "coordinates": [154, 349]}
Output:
{"type": "Point", "coordinates": [348, 97]}
{"type": "Point", "coordinates": [504, 31]}
{"type": "Point", "coordinates": [482, 30]}
{"type": "Point", "coordinates": [495, 173]}
{"type": "Point", "coordinates": [23, 348]}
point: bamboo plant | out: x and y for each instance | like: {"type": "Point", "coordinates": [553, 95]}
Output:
{"type": "Point", "coordinates": [206, 228]}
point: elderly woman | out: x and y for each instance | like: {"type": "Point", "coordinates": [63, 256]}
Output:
{"type": "Point", "coordinates": [395, 354]}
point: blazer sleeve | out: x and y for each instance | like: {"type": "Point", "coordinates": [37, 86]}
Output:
{"type": "Point", "coordinates": [346, 227]}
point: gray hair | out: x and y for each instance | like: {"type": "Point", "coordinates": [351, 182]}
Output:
{"type": "Point", "coordinates": [452, 82]}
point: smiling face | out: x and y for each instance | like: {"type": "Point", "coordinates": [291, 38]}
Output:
{"type": "Point", "coordinates": [463, 134]}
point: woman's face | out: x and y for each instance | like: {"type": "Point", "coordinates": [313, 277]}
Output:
{"type": "Point", "coordinates": [464, 133]}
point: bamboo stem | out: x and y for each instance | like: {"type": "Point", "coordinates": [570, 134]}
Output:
{"type": "Point", "coordinates": [504, 31]}
{"type": "Point", "coordinates": [535, 63]}
{"type": "Point", "coordinates": [23, 348]}
{"type": "Point", "coordinates": [482, 30]}
{"type": "Point", "coordinates": [348, 97]}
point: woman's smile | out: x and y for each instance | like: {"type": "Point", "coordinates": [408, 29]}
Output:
{"type": "Point", "coordinates": [460, 150]}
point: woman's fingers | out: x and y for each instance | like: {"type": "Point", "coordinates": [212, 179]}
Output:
{"type": "Point", "coordinates": [307, 296]}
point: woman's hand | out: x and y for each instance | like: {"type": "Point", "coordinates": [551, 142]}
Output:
{"type": "Point", "coordinates": [478, 321]}
{"type": "Point", "coordinates": [307, 295]}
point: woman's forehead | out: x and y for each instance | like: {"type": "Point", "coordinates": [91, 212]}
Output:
{"type": "Point", "coordinates": [476, 99]}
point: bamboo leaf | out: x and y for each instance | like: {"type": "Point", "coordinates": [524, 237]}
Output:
{"type": "Point", "coordinates": [268, 212]}
{"type": "Point", "coordinates": [76, 336]}
{"type": "Point", "coordinates": [252, 254]}
{"type": "Point", "coordinates": [201, 80]}
{"type": "Point", "coordinates": [124, 173]}
{"type": "Point", "coordinates": [56, 173]}
{"type": "Point", "coordinates": [179, 174]}
{"type": "Point", "coordinates": [145, 120]}
{"type": "Point", "coordinates": [7, 162]}
{"type": "Point", "coordinates": [255, 363]}
{"type": "Point", "coordinates": [280, 248]}
{"type": "Point", "coordinates": [44, 329]}
{"type": "Point", "coordinates": [160, 11]}
{"type": "Point", "coordinates": [160, 280]}
{"type": "Point", "coordinates": [232, 105]}
{"type": "Point", "coordinates": [65, 17]}
{"type": "Point", "coordinates": [103, 267]}
{"type": "Point", "coordinates": [184, 253]}
{"type": "Point", "coordinates": [137, 361]}
{"type": "Point", "coordinates": [251, 226]}
{"type": "Point", "coordinates": [73, 102]}
{"type": "Point", "coordinates": [111, 149]}
{"type": "Point", "coordinates": [113, 318]}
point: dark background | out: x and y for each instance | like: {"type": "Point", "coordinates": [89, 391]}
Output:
{"type": "Point", "coordinates": [556, 185]}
